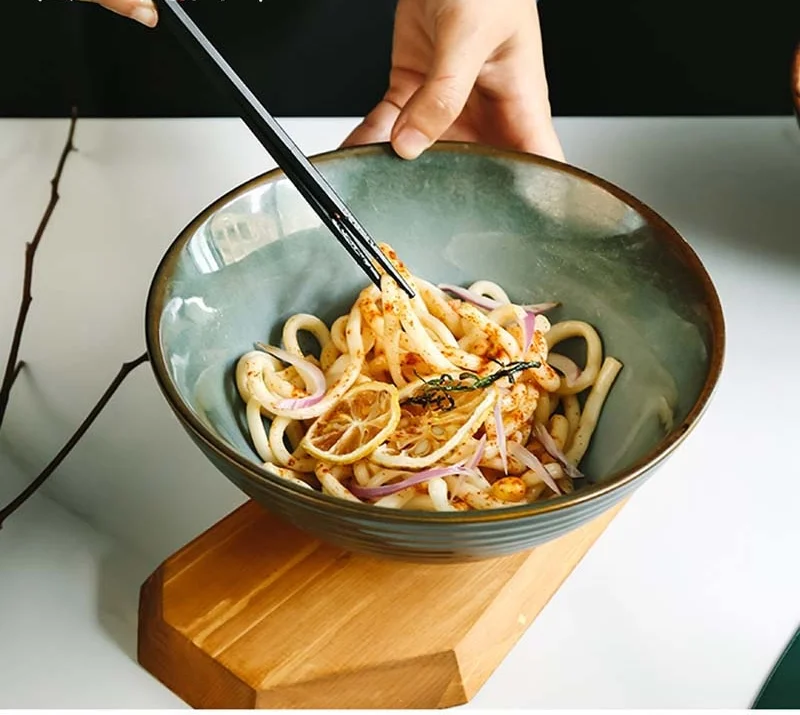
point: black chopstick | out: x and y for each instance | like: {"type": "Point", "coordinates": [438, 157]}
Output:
{"type": "Point", "coordinates": [299, 170]}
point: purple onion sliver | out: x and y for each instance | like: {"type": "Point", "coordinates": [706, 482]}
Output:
{"type": "Point", "coordinates": [301, 403]}
{"type": "Point", "coordinates": [313, 377]}
{"type": "Point", "coordinates": [424, 476]}
{"type": "Point", "coordinates": [501, 436]}
{"type": "Point", "coordinates": [552, 449]}
{"type": "Point", "coordinates": [566, 366]}
{"type": "Point", "coordinates": [467, 295]}
{"type": "Point", "coordinates": [477, 456]}
{"type": "Point", "coordinates": [528, 329]}
{"type": "Point", "coordinates": [540, 307]}
{"type": "Point", "coordinates": [531, 461]}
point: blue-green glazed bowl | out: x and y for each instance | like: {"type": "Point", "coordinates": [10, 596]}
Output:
{"type": "Point", "coordinates": [543, 230]}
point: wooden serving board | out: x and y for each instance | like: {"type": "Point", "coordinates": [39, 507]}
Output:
{"type": "Point", "coordinates": [256, 614]}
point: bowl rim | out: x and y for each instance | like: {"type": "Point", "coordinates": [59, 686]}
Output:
{"type": "Point", "coordinates": [591, 493]}
{"type": "Point", "coordinates": [795, 81]}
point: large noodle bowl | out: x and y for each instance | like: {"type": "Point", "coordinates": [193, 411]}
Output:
{"type": "Point", "coordinates": [452, 400]}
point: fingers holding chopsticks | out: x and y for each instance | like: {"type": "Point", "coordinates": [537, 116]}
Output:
{"type": "Point", "coordinates": [466, 70]}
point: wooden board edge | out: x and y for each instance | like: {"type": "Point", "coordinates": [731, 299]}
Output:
{"type": "Point", "coordinates": [193, 675]}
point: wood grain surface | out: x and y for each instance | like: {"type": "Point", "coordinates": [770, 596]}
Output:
{"type": "Point", "coordinates": [256, 614]}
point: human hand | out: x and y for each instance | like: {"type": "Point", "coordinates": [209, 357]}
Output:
{"type": "Point", "coordinates": [140, 10]}
{"type": "Point", "coordinates": [467, 70]}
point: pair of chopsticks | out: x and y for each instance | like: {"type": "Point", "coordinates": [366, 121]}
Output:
{"type": "Point", "coordinates": [328, 205]}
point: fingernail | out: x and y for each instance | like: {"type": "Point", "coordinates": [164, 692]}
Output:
{"type": "Point", "coordinates": [410, 143]}
{"type": "Point", "coordinates": [146, 14]}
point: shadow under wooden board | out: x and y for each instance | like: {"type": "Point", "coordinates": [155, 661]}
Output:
{"type": "Point", "coordinates": [256, 614]}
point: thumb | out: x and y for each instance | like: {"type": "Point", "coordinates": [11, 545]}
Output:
{"type": "Point", "coordinates": [459, 54]}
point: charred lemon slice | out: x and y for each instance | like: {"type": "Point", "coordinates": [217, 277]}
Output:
{"type": "Point", "coordinates": [426, 434]}
{"type": "Point", "coordinates": [351, 430]}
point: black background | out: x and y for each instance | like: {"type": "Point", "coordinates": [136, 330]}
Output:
{"type": "Point", "coordinates": [331, 57]}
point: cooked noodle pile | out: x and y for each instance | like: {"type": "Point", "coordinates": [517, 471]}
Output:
{"type": "Point", "coordinates": [448, 401]}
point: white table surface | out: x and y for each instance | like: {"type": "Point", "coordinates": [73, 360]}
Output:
{"type": "Point", "coordinates": [687, 599]}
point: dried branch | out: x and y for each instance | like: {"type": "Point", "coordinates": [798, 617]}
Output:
{"type": "Point", "coordinates": [20, 366]}
{"type": "Point", "coordinates": [34, 486]}
{"type": "Point", "coordinates": [13, 367]}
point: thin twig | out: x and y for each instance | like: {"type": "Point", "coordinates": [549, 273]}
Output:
{"type": "Point", "coordinates": [12, 365]}
{"type": "Point", "coordinates": [32, 488]}
{"type": "Point", "coordinates": [20, 366]}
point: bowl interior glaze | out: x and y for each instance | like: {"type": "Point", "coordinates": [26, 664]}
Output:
{"type": "Point", "coordinates": [460, 213]}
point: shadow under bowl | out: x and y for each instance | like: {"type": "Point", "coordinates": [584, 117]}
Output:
{"type": "Point", "coordinates": [542, 230]}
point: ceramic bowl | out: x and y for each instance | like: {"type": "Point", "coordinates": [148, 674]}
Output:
{"type": "Point", "coordinates": [543, 230]}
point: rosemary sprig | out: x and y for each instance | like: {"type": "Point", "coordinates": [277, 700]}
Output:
{"type": "Point", "coordinates": [436, 391]}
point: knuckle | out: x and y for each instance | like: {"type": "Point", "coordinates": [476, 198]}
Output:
{"type": "Point", "coordinates": [447, 99]}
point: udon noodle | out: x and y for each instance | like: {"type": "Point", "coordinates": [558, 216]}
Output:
{"type": "Point", "coordinates": [451, 400]}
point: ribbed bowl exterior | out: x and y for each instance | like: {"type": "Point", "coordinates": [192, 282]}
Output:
{"type": "Point", "coordinates": [460, 212]}
{"type": "Point", "coordinates": [419, 541]}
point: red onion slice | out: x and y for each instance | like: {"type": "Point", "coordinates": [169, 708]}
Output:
{"type": "Point", "coordinates": [501, 436]}
{"type": "Point", "coordinates": [471, 466]}
{"type": "Point", "coordinates": [467, 295]}
{"type": "Point", "coordinates": [424, 476]}
{"type": "Point", "coordinates": [540, 307]}
{"type": "Point", "coordinates": [487, 303]}
{"type": "Point", "coordinates": [530, 460]}
{"type": "Point", "coordinates": [566, 366]}
{"type": "Point", "coordinates": [475, 459]}
{"type": "Point", "coordinates": [552, 449]}
{"type": "Point", "coordinates": [528, 329]}
{"type": "Point", "coordinates": [313, 377]}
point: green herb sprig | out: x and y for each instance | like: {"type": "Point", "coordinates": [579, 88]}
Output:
{"type": "Point", "coordinates": [437, 391]}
